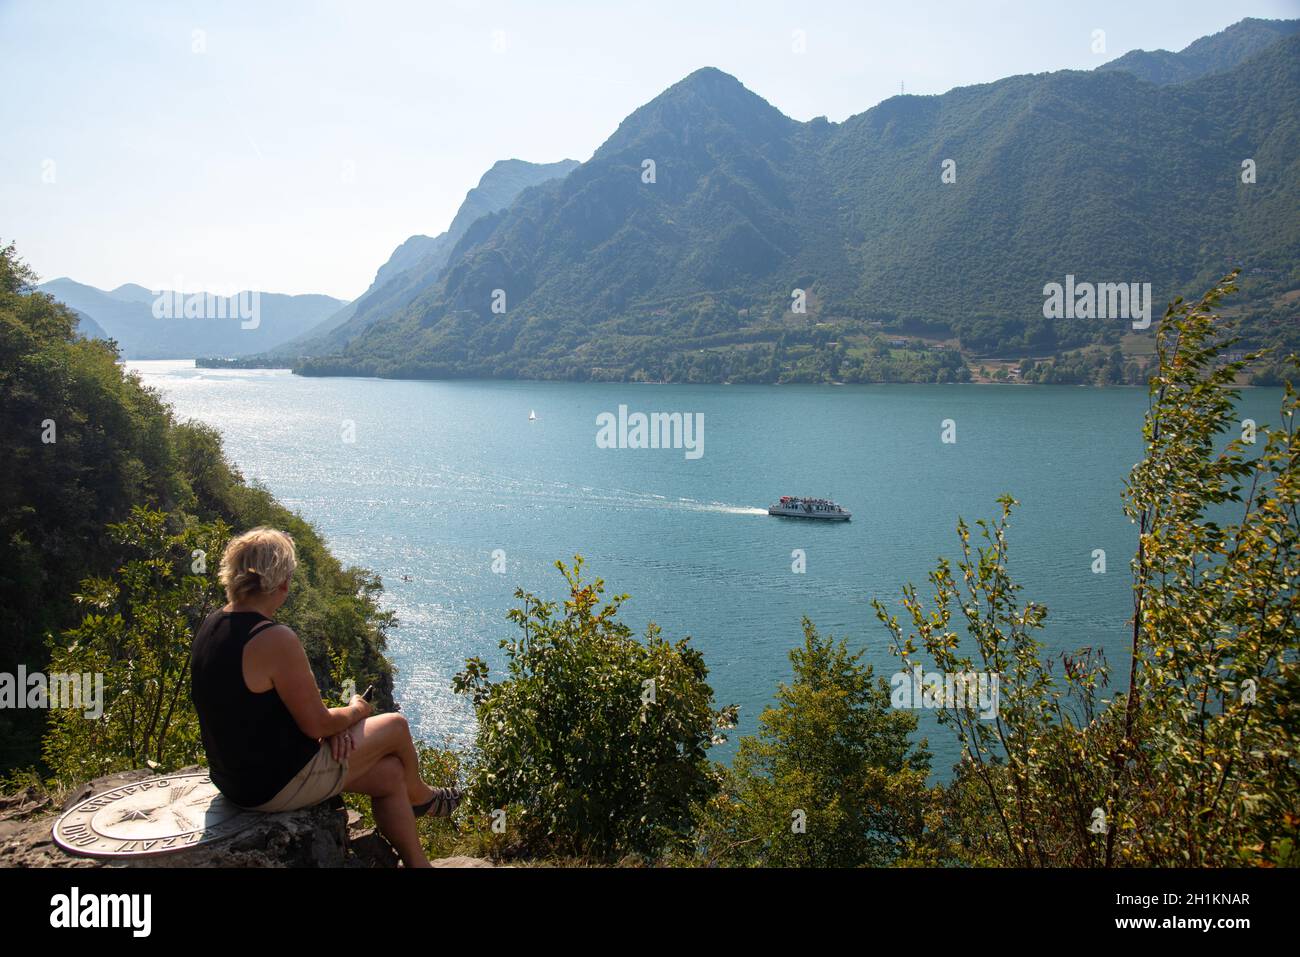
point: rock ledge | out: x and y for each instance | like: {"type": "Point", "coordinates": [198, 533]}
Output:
{"type": "Point", "coordinates": [323, 836]}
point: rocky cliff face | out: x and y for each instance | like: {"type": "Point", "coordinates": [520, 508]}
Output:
{"type": "Point", "coordinates": [323, 836]}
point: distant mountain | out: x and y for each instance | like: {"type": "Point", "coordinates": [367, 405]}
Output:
{"type": "Point", "coordinates": [87, 327]}
{"type": "Point", "coordinates": [130, 292]}
{"type": "Point", "coordinates": [692, 276]}
{"type": "Point", "coordinates": [240, 325]}
{"type": "Point", "coordinates": [1209, 55]}
{"type": "Point", "coordinates": [416, 263]}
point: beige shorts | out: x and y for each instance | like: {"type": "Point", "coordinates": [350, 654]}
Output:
{"type": "Point", "coordinates": [318, 781]}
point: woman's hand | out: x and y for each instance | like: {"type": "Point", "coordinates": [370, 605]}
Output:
{"type": "Point", "coordinates": [341, 745]}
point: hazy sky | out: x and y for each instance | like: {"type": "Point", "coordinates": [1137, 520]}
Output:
{"type": "Point", "coordinates": [289, 147]}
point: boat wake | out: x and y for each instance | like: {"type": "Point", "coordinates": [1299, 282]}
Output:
{"type": "Point", "coordinates": [653, 500]}
{"type": "Point", "coordinates": [505, 491]}
{"type": "Point", "coordinates": [735, 509]}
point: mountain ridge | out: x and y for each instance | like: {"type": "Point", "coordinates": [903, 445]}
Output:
{"type": "Point", "coordinates": [607, 275]}
{"type": "Point", "coordinates": [418, 259]}
{"type": "Point", "coordinates": [1207, 55]}
{"type": "Point", "coordinates": [125, 314]}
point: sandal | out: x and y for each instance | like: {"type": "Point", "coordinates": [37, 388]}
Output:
{"type": "Point", "coordinates": [443, 803]}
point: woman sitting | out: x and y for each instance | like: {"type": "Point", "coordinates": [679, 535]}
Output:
{"type": "Point", "coordinates": [272, 745]}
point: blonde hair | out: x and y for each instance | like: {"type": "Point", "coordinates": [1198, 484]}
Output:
{"type": "Point", "coordinates": [257, 562]}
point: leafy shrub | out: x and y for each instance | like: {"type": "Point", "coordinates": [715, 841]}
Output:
{"type": "Point", "coordinates": [832, 779]}
{"type": "Point", "coordinates": [1195, 764]}
{"type": "Point", "coordinates": [1213, 713]}
{"type": "Point", "coordinates": [594, 744]}
{"type": "Point", "coordinates": [137, 634]}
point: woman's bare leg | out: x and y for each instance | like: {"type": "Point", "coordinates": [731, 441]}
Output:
{"type": "Point", "coordinates": [383, 735]}
{"type": "Point", "coordinates": [385, 782]}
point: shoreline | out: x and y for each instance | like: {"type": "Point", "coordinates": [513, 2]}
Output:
{"type": "Point", "coordinates": [235, 366]}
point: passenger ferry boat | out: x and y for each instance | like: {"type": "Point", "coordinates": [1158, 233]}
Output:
{"type": "Point", "coordinates": [791, 506]}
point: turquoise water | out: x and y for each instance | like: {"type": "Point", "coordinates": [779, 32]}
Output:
{"type": "Point", "coordinates": [442, 474]}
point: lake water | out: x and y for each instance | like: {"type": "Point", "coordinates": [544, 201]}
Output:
{"type": "Point", "coordinates": [442, 474]}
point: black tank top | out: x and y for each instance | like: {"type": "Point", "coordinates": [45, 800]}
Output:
{"type": "Point", "coordinates": [254, 746]}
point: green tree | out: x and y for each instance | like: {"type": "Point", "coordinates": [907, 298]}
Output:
{"type": "Point", "coordinates": [594, 744]}
{"type": "Point", "coordinates": [1032, 764]}
{"type": "Point", "coordinates": [137, 636]}
{"type": "Point", "coordinates": [831, 780]}
{"type": "Point", "coordinates": [1213, 710]}
{"type": "Point", "coordinates": [81, 444]}
{"type": "Point", "coordinates": [85, 443]}
{"type": "Point", "coordinates": [1195, 762]}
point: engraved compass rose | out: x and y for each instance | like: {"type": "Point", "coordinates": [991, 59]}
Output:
{"type": "Point", "coordinates": [151, 817]}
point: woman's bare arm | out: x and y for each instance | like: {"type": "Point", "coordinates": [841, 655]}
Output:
{"type": "Point", "coordinates": [275, 659]}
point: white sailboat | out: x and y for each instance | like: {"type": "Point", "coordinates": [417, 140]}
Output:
{"type": "Point", "coordinates": [532, 416]}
